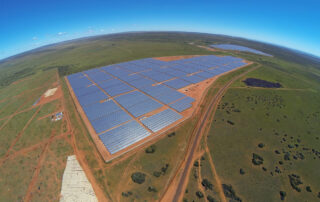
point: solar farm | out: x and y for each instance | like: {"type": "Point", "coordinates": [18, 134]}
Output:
{"type": "Point", "coordinates": [239, 48]}
{"type": "Point", "coordinates": [127, 104]}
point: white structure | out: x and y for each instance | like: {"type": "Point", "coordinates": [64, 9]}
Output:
{"type": "Point", "coordinates": [75, 185]}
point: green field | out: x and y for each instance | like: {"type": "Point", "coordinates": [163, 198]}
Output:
{"type": "Point", "coordinates": [284, 121]}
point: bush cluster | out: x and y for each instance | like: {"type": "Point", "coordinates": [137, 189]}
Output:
{"type": "Point", "coordinates": [295, 181]}
{"type": "Point", "coordinates": [138, 177]}
{"type": "Point", "coordinates": [256, 159]}
{"type": "Point", "coordinates": [151, 149]}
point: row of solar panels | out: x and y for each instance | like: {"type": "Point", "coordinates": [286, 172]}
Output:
{"type": "Point", "coordinates": [123, 79]}
{"type": "Point", "coordinates": [108, 114]}
{"type": "Point", "coordinates": [164, 71]}
{"type": "Point", "coordinates": [131, 132]}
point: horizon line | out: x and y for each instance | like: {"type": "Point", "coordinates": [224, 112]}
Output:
{"type": "Point", "coordinates": [152, 31]}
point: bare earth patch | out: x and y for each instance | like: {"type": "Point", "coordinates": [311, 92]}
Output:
{"type": "Point", "coordinates": [75, 185]}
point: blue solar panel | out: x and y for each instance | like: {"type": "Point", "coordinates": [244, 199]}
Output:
{"type": "Point", "coordinates": [116, 70]}
{"type": "Point", "coordinates": [93, 98]}
{"type": "Point", "coordinates": [177, 83]}
{"type": "Point", "coordinates": [75, 76]}
{"type": "Point", "coordinates": [91, 72]}
{"type": "Point", "coordinates": [98, 110]}
{"type": "Point", "coordinates": [205, 75]}
{"type": "Point", "coordinates": [156, 90]}
{"type": "Point", "coordinates": [136, 68]}
{"type": "Point", "coordinates": [157, 76]}
{"type": "Point", "coordinates": [161, 120]}
{"type": "Point", "coordinates": [175, 73]}
{"type": "Point", "coordinates": [86, 90]}
{"type": "Point", "coordinates": [99, 77]}
{"type": "Point", "coordinates": [80, 82]}
{"type": "Point", "coordinates": [110, 83]}
{"type": "Point", "coordinates": [109, 121]}
{"type": "Point", "coordinates": [118, 89]}
{"type": "Point", "coordinates": [169, 96]}
{"type": "Point", "coordinates": [130, 99]}
{"type": "Point", "coordinates": [185, 68]}
{"type": "Point", "coordinates": [131, 77]}
{"type": "Point", "coordinates": [193, 78]}
{"type": "Point", "coordinates": [182, 104]}
{"type": "Point", "coordinates": [123, 136]}
{"type": "Point", "coordinates": [144, 107]}
{"type": "Point", "coordinates": [140, 83]}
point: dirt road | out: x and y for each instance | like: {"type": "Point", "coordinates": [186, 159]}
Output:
{"type": "Point", "coordinates": [198, 135]}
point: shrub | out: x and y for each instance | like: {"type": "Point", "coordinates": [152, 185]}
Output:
{"type": "Point", "coordinates": [230, 193]}
{"type": "Point", "coordinates": [295, 181]}
{"type": "Point", "coordinates": [211, 199]}
{"type": "Point", "coordinates": [308, 188]}
{"type": "Point", "coordinates": [260, 145]}
{"type": "Point", "coordinates": [126, 194]}
{"type": "Point", "coordinates": [282, 195]}
{"type": "Point", "coordinates": [172, 134]}
{"type": "Point", "coordinates": [156, 173]}
{"type": "Point", "coordinates": [151, 149]}
{"type": "Point", "coordinates": [152, 189]}
{"type": "Point", "coordinates": [196, 163]}
{"type": "Point", "coordinates": [207, 184]}
{"type": "Point", "coordinates": [199, 194]}
{"type": "Point", "coordinates": [230, 122]}
{"type": "Point", "coordinates": [256, 159]}
{"type": "Point", "coordinates": [164, 169]}
{"type": "Point", "coordinates": [138, 177]}
{"type": "Point", "coordinates": [287, 156]}
{"type": "Point", "coordinates": [242, 171]}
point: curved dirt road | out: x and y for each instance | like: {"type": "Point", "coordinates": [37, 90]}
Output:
{"type": "Point", "coordinates": [198, 135]}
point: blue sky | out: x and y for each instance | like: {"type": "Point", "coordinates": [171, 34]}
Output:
{"type": "Point", "coordinates": [33, 23]}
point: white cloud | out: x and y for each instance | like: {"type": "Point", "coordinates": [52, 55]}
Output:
{"type": "Point", "coordinates": [34, 38]}
{"type": "Point", "coordinates": [61, 33]}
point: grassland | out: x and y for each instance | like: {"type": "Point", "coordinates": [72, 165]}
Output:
{"type": "Point", "coordinates": [257, 115]}
{"type": "Point", "coordinates": [32, 149]}
{"type": "Point", "coordinates": [280, 125]}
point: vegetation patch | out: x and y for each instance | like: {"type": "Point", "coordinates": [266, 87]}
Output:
{"type": "Point", "coordinates": [230, 193]}
{"type": "Point", "coordinates": [283, 195]}
{"type": "Point", "coordinates": [172, 134]}
{"type": "Point", "coordinates": [207, 184]}
{"type": "Point", "coordinates": [152, 189]}
{"type": "Point", "coordinates": [126, 194]}
{"type": "Point", "coordinates": [211, 199]}
{"type": "Point", "coordinates": [256, 159]}
{"type": "Point", "coordinates": [151, 149]}
{"type": "Point", "coordinates": [295, 181]}
{"type": "Point", "coordinates": [261, 83]}
{"type": "Point", "coordinates": [199, 194]}
{"type": "Point", "coordinates": [138, 177]}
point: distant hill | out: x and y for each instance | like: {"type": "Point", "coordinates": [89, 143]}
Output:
{"type": "Point", "coordinates": [89, 52]}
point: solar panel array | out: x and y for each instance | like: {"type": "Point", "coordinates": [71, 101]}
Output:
{"type": "Point", "coordinates": [120, 100]}
{"type": "Point", "coordinates": [239, 48]}
{"type": "Point", "coordinates": [161, 120]}
{"type": "Point", "coordinates": [123, 136]}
